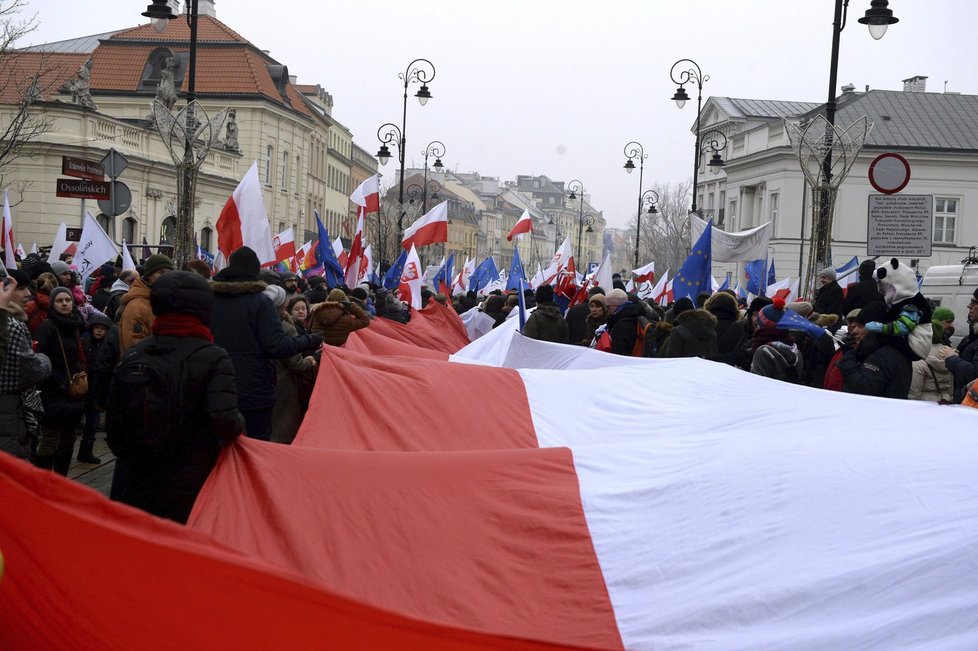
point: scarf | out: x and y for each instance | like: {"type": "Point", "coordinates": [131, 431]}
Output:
{"type": "Point", "coordinates": [175, 324]}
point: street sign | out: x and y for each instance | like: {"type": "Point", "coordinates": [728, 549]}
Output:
{"type": "Point", "coordinates": [82, 169]}
{"type": "Point", "coordinates": [900, 225]}
{"type": "Point", "coordinates": [119, 202]}
{"type": "Point", "coordinates": [889, 173]}
{"type": "Point", "coordinates": [82, 189]}
{"type": "Point", "coordinates": [114, 163]}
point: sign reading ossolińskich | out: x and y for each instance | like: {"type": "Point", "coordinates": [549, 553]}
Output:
{"type": "Point", "coordinates": [900, 225]}
{"type": "Point", "coordinates": [82, 189]}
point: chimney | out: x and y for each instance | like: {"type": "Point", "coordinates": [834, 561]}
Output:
{"type": "Point", "coordinates": [206, 8]}
{"type": "Point", "coordinates": [848, 88]}
{"type": "Point", "coordinates": [917, 84]}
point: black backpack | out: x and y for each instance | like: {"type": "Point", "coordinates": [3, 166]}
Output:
{"type": "Point", "coordinates": [644, 337]}
{"type": "Point", "coordinates": [148, 399]}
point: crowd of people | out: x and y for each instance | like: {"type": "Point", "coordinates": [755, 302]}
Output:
{"type": "Point", "coordinates": [177, 362]}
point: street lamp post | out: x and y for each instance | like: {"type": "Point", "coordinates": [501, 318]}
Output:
{"type": "Point", "coordinates": [414, 191]}
{"type": "Point", "coordinates": [575, 187]}
{"type": "Point", "coordinates": [878, 17]}
{"type": "Point", "coordinates": [437, 149]}
{"type": "Point", "coordinates": [686, 76]}
{"type": "Point", "coordinates": [635, 150]}
{"type": "Point", "coordinates": [413, 73]}
{"type": "Point", "coordinates": [554, 221]}
{"type": "Point", "coordinates": [715, 141]}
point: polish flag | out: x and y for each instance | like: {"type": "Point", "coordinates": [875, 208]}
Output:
{"type": "Point", "coordinates": [367, 195]}
{"type": "Point", "coordinates": [559, 261]}
{"type": "Point", "coordinates": [409, 289]}
{"type": "Point", "coordinates": [7, 236]}
{"type": "Point", "coordinates": [284, 244]}
{"type": "Point", "coordinates": [430, 228]}
{"type": "Point", "coordinates": [523, 225]}
{"type": "Point", "coordinates": [644, 274]}
{"type": "Point", "coordinates": [366, 264]}
{"type": "Point", "coordinates": [352, 271]}
{"type": "Point", "coordinates": [464, 274]}
{"type": "Point", "coordinates": [457, 506]}
{"type": "Point", "coordinates": [340, 252]}
{"type": "Point", "coordinates": [243, 221]}
{"type": "Point", "coordinates": [780, 289]}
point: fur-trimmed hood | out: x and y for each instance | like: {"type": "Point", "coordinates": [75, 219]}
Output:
{"type": "Point", "coordinates": [16, 312]}
{"type": "Point", "coordinates": [723, 306]}
{"type": "Point", "coordinates": [237, 287]}
{"type": "Point", "coordinates": [697, 316]}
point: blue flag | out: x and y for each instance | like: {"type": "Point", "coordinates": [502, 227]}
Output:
{"type": "Point", "coordinates": [522, 300]}
{"type": "Point", "coordinates": [444, 275]}
{"type": "Point", "coordinates": [794, 321]}
{"type": "Point", "coordinates": [325, 256]}
{"type": "Point", "coordinates": [205, 255]}
{"type": "Point", "coordinates": [694, 275]}
{"type": "Point", "coordinates": [771, 278]}
{"type": "Point", "coordinates": [392, 279]}
{"type": "Point", "coordinates": [484, 274]}
{"type": "Point", "coordinates": [516, 277]}
{"type": "Point", "coordinates": [755, 272]}
{"type": "Point", "coordinates": [726, 283]}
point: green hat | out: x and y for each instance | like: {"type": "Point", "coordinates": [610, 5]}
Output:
{"type": "Point", "coordinates": [156, 262]}
{"type": "Point", "coordinates": [942, 314]}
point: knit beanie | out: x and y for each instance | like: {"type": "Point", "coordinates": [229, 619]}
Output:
{"type": "Point", "coordinates": [544, 294]}
{"type": "Point", "coordinates": [276, 294]}
{"type": "Point", "coordinates": [875, 311]}
{"type": "Point", "coordinates": [154, 263]}
{"type": "Point", "coordinates": [598, 298]}
{"type": "Point", "coordinates": [244, 262]}
{"type": "Point", "coordinates": [59, 267]}
{"type": "Point", "coordinates": [803, 308]}
{"type": "Point", "coordinates": [942, 314]}
{"type": "Point", "coordinates": [337, 295]}
{"type": "Point", "coordinates": [682, 305]}
{"type": "Point", "coordinates": [770, 315]}
{"type": "Point", "coordinates": [828, 272]}
{"type": "Point", "coordinates": [758, 304]}
{"type": "Point", "coordinates": [61, 290]}
{"type": "Point", "coordinates": [867, 268]}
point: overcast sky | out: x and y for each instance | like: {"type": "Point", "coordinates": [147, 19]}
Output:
{"type": "Point", "coordinates": [559, 88]}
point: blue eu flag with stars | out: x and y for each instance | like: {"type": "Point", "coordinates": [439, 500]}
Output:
{"type": "Point", "coordinates": [694, 275]}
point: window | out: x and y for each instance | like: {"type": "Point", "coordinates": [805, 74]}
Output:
{"type": "Point", "coordinates": [298, 171]}
{"type": "Point", "coordinates": [945, 219]}
{"type": "Point", "coordinates": [205, 238]}
{"type": "Point", "coordinates": [106, 223]}
{"type": "Point", "coordinates": [285, 172]}
{"type": "Point", "coordinates": [129, 230]}
{"type": "Point", "coordinates": [268, 165]}
{"type": "Point", "coordinates": [774, 205]}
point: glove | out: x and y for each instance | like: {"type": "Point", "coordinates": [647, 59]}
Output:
{"type": "Point", "coordinates": [315, 342]}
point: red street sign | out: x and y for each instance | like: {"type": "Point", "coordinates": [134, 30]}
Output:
{"type": "Point", "coordinates": [889, 173]}
{"type": "Point", "coordinates": [83, 169]}
{"type": "Point", "coordinates": [82, 189]}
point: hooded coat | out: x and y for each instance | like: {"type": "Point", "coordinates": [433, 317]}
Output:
{"type": "Point", "coordinates": [546, 323]}
{"type": "Point", "coordinates": [245, 323]}
{"type": "Point", "coordinates": [693, 335]}
{"type": "Point", "coordinates": [136, 322]}
{"type": "Point", "coordinates": [622, 327]}
{"type": "Point", "coordinates": [862, 293]}
{"type": "Point", "coordinates": [335, 320]}
{"type": "Point", "coordinates": [876, 368]}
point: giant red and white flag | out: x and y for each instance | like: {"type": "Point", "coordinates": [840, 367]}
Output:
{"type": "Point", "coordinates": [7, 238]}
{"type": "Point", "coordinates": [367, 195]}
{"type": "Point", "coordinates": [243, 221]}
{"type": "Point", "coordinates": [352, 270]}
{"type": "Point", "coordinates": [523, 225]}
{"type": "Point", "coordinates": [644, 274]}
{"type": "Point", "coordinates": [409, 288]}
{"type": "Point", "coordinates": [430, 228]}
{"type": "Point", "coordinates": [284, 244]}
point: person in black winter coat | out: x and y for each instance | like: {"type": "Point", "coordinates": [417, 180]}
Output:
{"type": "Point", "coordinates": [729, 327]}
{"type": "Point", "coordinates": [466, 302]}
{"type": "Point", "coordinates": [963, 362]}
{"type": "Point", "coordinates": [167, 486]}
{"type": "Point", "coordinates": [866, 291]}
{"type": "Point", "coordinates": [828, 298]}
{"type": "Point", "coordinates": [92, 343]}
{"type": "Point", "coordinates": [876, 365]}
{"type": "Point", "coordinates": [318, 291]}
{"type": "Point", "coordinates": [693, 335]}
{"type": "Point", "coordinates": [546, 323]}
{"type": "Point", "coordinates": [576, 317]}
{"type": "Point", "coordinates": [622, 321]}
{"type": "Point", "coordinates": [246, 324]}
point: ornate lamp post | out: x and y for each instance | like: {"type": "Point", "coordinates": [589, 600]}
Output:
{"type": "Point", "coordinates": [413, 73]}
{"type": "Point", "coordinates": [575, 187]}
{"type": "Point", "coordinates": [635, 150]}
{"type": "Point", "coordinates": [187, 137]}
{"type": "Point", "coordinates": [686, 76]}
{"type": "Point", "coordinates": [554, 221]}
{"type": "Point", "coordinates": [437, 149]}
{"type": "Point", "coordinates": [414, 191]}
{"type": "Point", "coordinates": [715, 141]}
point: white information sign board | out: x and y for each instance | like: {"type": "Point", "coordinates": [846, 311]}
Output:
{"type": "Point", "coordinates": [900, 225]}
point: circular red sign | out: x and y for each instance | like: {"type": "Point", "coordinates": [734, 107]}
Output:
{"type": "Point", "coordinates": [889, 173]}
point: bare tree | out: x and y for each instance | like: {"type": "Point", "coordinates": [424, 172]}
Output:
{"type": "Point", "coordinates": [665, 235]}
{"type": "Point", "coordinates": [22, 86]}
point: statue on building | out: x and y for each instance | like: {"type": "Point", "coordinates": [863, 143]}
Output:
{"type": "Point", "coordinates": [231, 133]}
{"type": "Point", "coordinates": [166, 92]}
{"type": "Point", "coordinates": [80, 86]}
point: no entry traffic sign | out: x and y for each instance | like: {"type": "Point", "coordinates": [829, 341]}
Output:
{"type": "Point", "coordinates": [889, 173]}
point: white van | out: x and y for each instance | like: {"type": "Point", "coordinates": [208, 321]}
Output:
{"type": "Point", "coordinates": [953, 286]}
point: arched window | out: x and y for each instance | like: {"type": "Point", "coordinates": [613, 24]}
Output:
{"type": "Point", "coordinates": [205, 238]}
{"type": "Point", "coordinates": [129, 230]}
{"type": "Point", "coordinates": [106, 223]}
{"type": "Point", "coordinates": [268, 165]}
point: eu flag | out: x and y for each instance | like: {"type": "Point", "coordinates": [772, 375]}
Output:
{"type": "Point", "coordinates": [516, 276]}
{"type": "Point", "coordinates": [325, 256]}
{"type": "Point", "coordinates": [694, 275]}
{"type": "Point", "coordinates": [444, 275]}
{"type": "Point", "coordinates": [392, 279]}
{"type": "Point", "coordinates": [484, 274]}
